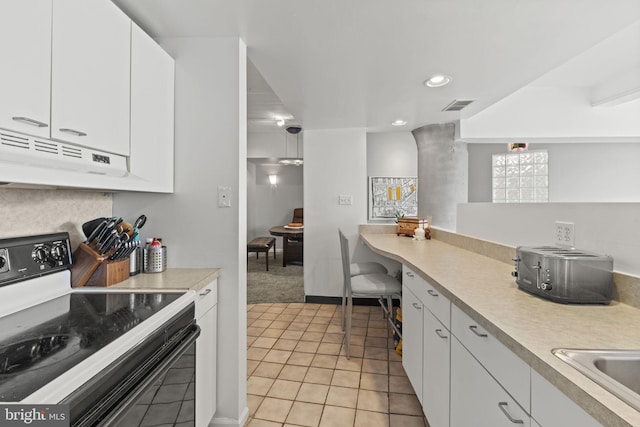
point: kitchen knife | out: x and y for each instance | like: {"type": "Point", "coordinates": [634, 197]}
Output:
{"type": "Point", "coordinates": [90, 226]}
{"type": "Point", "coordinates": [96, 231]}
{"type": "Point", "coordinates": [104, 234]}
{"type": "Point", "coordinates": [108, 240]}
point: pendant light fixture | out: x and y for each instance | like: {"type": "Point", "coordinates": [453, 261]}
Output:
{"type": "Point", "coordinates": [297, 161]}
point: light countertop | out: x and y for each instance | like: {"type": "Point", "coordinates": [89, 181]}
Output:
{"type": "Point", "coordinates": [171, 279]}
{"type": "Point", "coordinates": [530, 326]}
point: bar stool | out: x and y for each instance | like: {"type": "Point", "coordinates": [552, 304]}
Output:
{"type": "Point", "coordinates": [369, 285]}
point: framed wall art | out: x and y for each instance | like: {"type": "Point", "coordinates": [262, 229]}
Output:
{"type": "Point", "coordinates": [392, 197]}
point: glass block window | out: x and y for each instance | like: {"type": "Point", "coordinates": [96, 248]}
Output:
{"type": "Point", "coordinates": [521, 177]}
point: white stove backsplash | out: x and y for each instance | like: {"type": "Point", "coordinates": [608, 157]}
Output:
{"type": "Point", "coordinates": [26, 212]}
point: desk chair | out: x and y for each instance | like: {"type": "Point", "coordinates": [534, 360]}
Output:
{"type": "Point", "coordinates": [371, 285]}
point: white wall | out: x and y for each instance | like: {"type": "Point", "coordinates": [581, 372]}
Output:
{"type": "Point", "coordinates": [271, 205]}
{"type": "Point", "coordinates": [392, 154]}
{"type": "Point", "coordinates": [276, 144]}
{"type": "Point", "coordinates": [608, 228]}
{"type": "Point", "coordinates": [553, 113]}
{"type": "Point", "coordinates": [578, 172]}
{"type": "Point", "coordinates": [335, 164]}
{"type": "Point", "coordinates": [388, 154]}
{"type": "Point", "coordinates": [210, 151]}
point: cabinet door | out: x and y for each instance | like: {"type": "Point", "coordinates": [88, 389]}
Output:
{"type": "Point", "coordinates": [412, 339]}
{"type": "Point", "coordinates": [152, 95]}
{"type": "Point", "coordinates": [206, 367]}
{"type": "Point", "coordinates": [206, 313]}
{"type": "Point", "coordinates": [90, 74]}
{"type": "Point", "coordinates": [25, 46]}
{"type": "Point", "coordinates": [476, 398]}
{"type": "Point", "coordinates": [552, 408]}
{"type": "Point", "coordinates": [435, 378]}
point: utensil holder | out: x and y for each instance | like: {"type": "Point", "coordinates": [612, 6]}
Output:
{"type": "Point", "coordinates": [85, 262]}
{"type": "Point", "coordinates": [154, 260]}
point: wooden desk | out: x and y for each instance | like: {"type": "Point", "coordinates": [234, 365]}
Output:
{"type": "Point", "coordinates": [292, 243]}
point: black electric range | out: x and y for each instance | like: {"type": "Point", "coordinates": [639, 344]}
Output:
{"type": "Point", "coordinates": [94, 349]}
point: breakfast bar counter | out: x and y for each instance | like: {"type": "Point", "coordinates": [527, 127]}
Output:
{"type": "Point", "coordinates": [483, 288]}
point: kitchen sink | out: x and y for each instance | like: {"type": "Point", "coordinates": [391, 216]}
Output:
{"type": "Point", "coordinates": [618, 371]}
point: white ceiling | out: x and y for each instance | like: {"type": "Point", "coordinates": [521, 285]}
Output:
{"type": "Point", "coordinates": [362, 63]}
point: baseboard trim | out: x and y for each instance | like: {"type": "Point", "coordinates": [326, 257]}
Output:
{"type": "Point", "coordinates": [229, 422]}
{"type": "Point", "coordinates": [319, 299]}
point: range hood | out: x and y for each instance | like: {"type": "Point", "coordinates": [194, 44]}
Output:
{"type": "Point", "coordinates": [18, 148]}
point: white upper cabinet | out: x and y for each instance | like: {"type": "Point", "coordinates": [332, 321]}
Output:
{"type": "Point", "coordinates": [152, 96]}
{"type": "Point", "coordinates": [90, 75]}
{"type": "Point", "coordinates": [25, 46]}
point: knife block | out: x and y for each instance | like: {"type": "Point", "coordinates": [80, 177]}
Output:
{"type": "Point", "coordinates": [89, 268]}
{"type": "Point", "coordinates": [110, 272]}
{"type": "Point", "coordinates": [85, 262]}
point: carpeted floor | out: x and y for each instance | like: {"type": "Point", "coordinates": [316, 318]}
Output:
{"type": "Point", "coordinates": [279, 284]}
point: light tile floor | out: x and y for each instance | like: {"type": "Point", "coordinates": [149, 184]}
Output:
{"type": "Point", "coordinates": [298, 374]}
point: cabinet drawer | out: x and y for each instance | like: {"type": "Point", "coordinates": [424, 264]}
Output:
{"type": "Point", "coordinates": [507, 368]}
{"type": "Point", "coordinates": [432, 299]}
{"type": "Point", "coordinates": [206, 298]}
{"type": "Point", "coordinates": [476, 398]}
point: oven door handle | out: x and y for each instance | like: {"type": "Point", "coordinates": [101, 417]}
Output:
{"type": "Point", "coordinates": [116, 404]}
{"type": "Point", "coordinates": [132, 397]}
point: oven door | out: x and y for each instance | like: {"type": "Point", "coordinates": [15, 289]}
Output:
{"type": "Point", "coordinates": [152, 384]}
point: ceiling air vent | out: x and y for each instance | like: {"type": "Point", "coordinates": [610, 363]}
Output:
{"type": "Point", "coordinates": [458, 104]}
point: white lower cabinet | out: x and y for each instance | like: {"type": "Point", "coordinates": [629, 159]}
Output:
{"type": "Point", "coordinates": [435, 371]}
{"type": "Point", "coordinates": [465, 377]}
{"type": "Point", "coordinates": [207, 317]}
{"type": "Point", "coordinates": [412, 348]}
{"type": "Point", "coordinates": [551, 408]}
{"type": "Point", "coordinates": [476, 398]}
{"type": "Point", "coordinates": [425, 345]}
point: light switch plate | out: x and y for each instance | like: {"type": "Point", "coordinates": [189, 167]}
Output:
{"type": "Point", "coordinates": [345, 199]}
{"type": "Point", "coordinates": [224, 197]}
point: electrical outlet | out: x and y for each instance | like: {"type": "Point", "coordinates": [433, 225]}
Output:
{"type": "Point", "coordinates": [565, 234]}
{"type": "Point", "coordinates": [224, 197]}
{"type": "Point", "coordinates": [344, 199]}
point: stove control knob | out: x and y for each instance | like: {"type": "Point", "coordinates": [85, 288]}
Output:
{"type": "Point", "coordinates": [58, 252]}
{"type": "Point", "coordinates": [40, 254]}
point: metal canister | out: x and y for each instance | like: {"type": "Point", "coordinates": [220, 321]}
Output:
{"type": "Point", "coordinates": [154, 259]}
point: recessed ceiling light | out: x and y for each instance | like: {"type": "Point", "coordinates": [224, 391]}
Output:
{"type": "Point", "coordinates": [437, 81]}
{"type": "Point", "coordinates": [399, 122]}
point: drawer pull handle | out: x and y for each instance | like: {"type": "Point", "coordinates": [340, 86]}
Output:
{"type": "Point", "coordinates": [439, 333]}
{"type": "Point", "coordinates": [73, 132]}
{"type": "Point", "coordinates": [416, 306]}
{"type": "Point", "coordinates": [205, 292]}
{"type": "Point", "coordinates": [503, 408]}
{"type": "Point", "coordinates": [29, 121]}
{"type": "Point", "coordinates": [474, 329]}
{"type": "Point", "coordinates": [432, 293]}
{"type": "Point", "coordinates": [409, 274]}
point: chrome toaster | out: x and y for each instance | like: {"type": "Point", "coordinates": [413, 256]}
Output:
{"type": "Point", "coordinates": [564, 275]}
